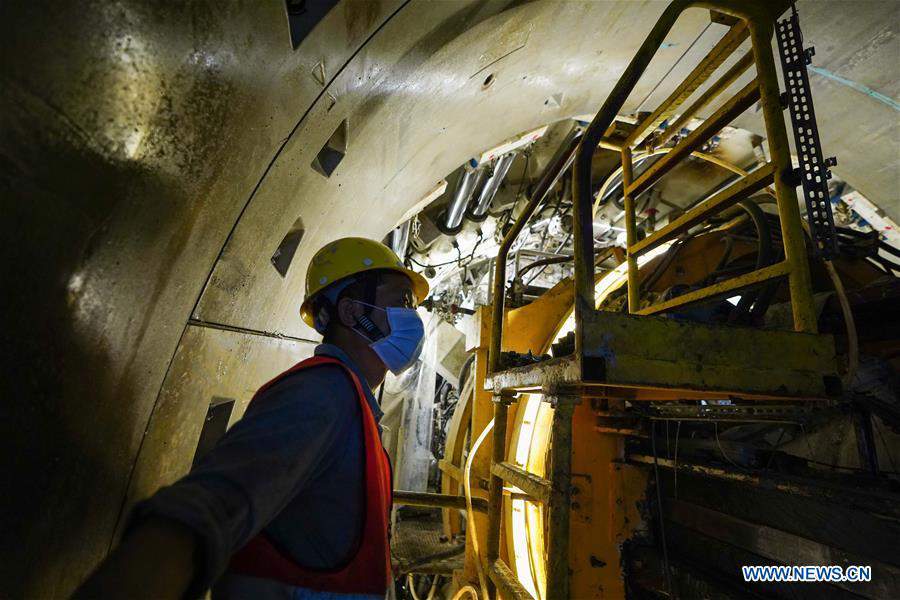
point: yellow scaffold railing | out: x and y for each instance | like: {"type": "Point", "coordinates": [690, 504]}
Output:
{"type": "Point", "coordinates": [750, 19]}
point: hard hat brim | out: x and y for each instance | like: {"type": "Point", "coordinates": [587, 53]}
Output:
{"type": "Point", "coordinates": [419, 283]}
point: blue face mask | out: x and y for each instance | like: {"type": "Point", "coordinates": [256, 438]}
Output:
{"type": "Point", "coordinates": [400, 348]}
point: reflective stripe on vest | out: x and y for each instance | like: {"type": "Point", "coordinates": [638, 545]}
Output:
{"type": "Point", "coordinates": [368, 570]}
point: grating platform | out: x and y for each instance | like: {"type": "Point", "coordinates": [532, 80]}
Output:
{"type": "Point", "coordinates": [417, 547]}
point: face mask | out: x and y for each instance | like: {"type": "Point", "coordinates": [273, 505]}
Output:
{"type": "Point", "coordinates": [399, 349]}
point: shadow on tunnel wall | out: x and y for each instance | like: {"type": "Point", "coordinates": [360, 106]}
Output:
{"type": "Point", "coordinates": [117, 191]}
{"type": "Point", "coordinates": [59, 388]}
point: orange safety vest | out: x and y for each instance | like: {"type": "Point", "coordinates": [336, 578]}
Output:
{"type": "Point", "coordinates": [368, 570]}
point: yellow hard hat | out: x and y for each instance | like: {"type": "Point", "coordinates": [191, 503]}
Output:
{"type": "Point", "coordinates": [348, 256]}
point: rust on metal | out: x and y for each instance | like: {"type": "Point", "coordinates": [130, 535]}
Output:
{"type": "Point", "coordinates": [506, 581]}
{"type": "Point", "coordinates": [535, 487]}
{"type": "Point", "coordinates": [559, 504]}
{"type": "Point", "coordinates": [409, 498]}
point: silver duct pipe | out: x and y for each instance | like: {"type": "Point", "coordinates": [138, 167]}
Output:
{"type": "Point", "coordinates": [480, 212]}
{"type": "Point", "coordinates": [468, 180]}
{"type": "Point", "coordinates": [400, 239]}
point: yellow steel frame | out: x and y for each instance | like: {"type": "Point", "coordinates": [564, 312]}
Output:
{"type": "Point", "coordinates": [754, 20]}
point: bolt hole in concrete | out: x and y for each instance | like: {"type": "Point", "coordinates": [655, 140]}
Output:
{"type": "Point", "coordinates": [303, 16]}
{"type": "Point", "coordinates": [284, 254]}
{"type": "Point", "coordinates": [488, 81]}
{"type": "Point", "coordinates": [332, 153]}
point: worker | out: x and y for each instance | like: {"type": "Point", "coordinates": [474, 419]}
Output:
{"type": "Point", "coordinates": [293, 501]}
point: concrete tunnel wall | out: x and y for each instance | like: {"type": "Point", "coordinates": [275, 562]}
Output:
{"type": "Point", "coordinates": [153, 157]}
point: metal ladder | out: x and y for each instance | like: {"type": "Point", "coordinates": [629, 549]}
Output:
{"type": "Point", "coordinates": [565, 381]}
{"type": "Point", "coordinates": [554, 493]}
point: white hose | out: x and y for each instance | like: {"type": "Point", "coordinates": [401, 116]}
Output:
{"type": "Point", "coordinates": [433, 588]}
{"type": "Point", "coordinates": [412, 587]}
{"type": "Point", "coordinates": [468, 589]}
{"type": "Point", "coordinates": [470, 515]}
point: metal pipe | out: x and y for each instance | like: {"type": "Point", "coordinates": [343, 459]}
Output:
{"type": "Point", "coordinates": [400, 239]}
{"type": "Point", "coordinates": [729, 286]}
{"type": "Point", "coordinates": [560, 162]}
{"type": "Point", "coordinates": [501, 168]}
{"type": "Point", "coordinates": [506, 582]}
{"type": "Point", "coordinates": [743, 188]}
{"type": "Point", "coordinates": [495, 497]}
{"type": "Point", "coordinates": [408, 498]}
{"type": "Point", "coordinates": [456, 210]}
{"type": "Point", "coordinates": [634, 286]}
{"type": "Point", "coordinates": [421, 561]}
{"type": "Point", "coordinates": [558, 510]}
{"type": "Point", "coordinates": [785, 193]}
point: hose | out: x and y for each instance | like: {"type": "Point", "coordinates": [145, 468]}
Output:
{"type": "Point", "coordinates": [852, 337]}
{"type": "Point", "coordinates": [664, 264]}
{"type": "Point", "coordinates": [412, 587]}
{"type": "Point", "coordinates": [468, 589]}
{"type": "Point", "coordinates": [764, 256]}
{"type": "Point", "coordinates": [543, 262]}
{"type": "Point", "coordinates": [643, 156]}
{"type": "Point", "coordinates": [470, 514]}
{"type": "Point", "coordinates": [849, 322]}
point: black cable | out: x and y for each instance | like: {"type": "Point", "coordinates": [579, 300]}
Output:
{"type": "Point", "coordinates": [567, 184]}
{"type": "Point", "coordinates": [424, 266]}
{"type": "Point", "coordinates": [457, 261]}
{"type": "Point", "coordinates": [868, 236]}
{"type": "Point", "coordinates": [543, 262]}
{"type": "Point", "coordinates": [879, 266]}
{"type": "Point", "coordinates": [886, 263]}
{"type": "Point", "coordinates": [764, 256]}
{"type": "Point", "coordinates": [561, 246]}
{"type": "Point", "coordinates": [888, 248]}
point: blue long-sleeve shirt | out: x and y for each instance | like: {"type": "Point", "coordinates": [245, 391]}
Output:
{"type": "Point", "coordinates": [292, 466]}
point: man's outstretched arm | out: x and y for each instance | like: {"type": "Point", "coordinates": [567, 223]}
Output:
{"type": "Point", "coordinates": [180, 540]}
{"type": "Point", "coordinates": [158, 545]}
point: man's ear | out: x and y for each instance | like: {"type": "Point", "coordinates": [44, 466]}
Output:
{"type": "Point", "coordinates": [347, 312]}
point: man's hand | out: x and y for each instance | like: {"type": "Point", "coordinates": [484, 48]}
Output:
{"type": "Point", "coordinates": [158, 559]}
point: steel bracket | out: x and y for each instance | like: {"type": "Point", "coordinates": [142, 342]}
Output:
{"type": "Point", "coordinates": [813, 174]}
